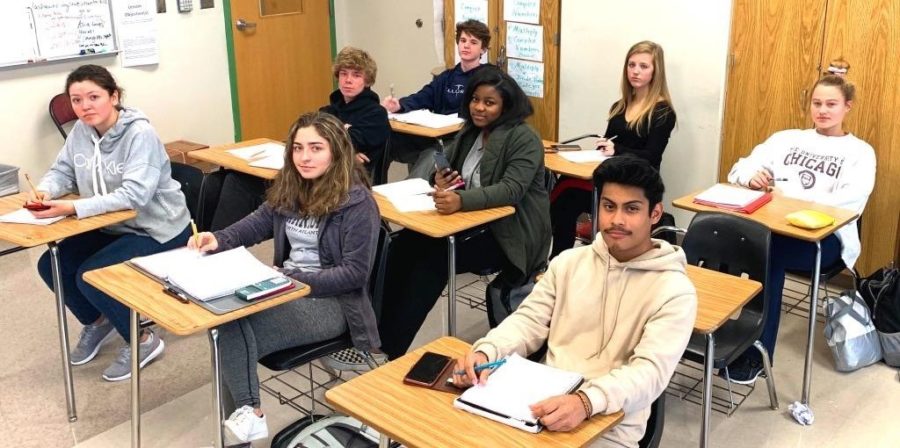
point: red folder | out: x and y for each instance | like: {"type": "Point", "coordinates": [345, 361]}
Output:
{"type": "Point", "coordinates": [747, 208]}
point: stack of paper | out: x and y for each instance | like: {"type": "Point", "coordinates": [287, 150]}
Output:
{"type": "Point", "coordinates": [206, 277]}
{"type": "Point", "coordinates": [513, 387]}
{"type": "Point", "coordinates": [427, 118]}
{"type": "Point", "coordinates": [23, 216]}
{"type": "Point", "coordinates": [409, 195]}
{"type": "Point", "coordinates": [733, 198]}
{"type": "Point", "coordinates": [266, 155]}
{"type": "Point", "coordinates": [583, 156]}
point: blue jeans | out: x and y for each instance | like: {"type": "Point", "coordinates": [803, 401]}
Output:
{"type": "Point", "coordinates": [94, 250]}
{"type": "Point", "coordinates": [789, 254]}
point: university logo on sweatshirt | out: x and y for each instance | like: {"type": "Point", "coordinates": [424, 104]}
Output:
{"type": "Point", "coordinates": [810, 165]}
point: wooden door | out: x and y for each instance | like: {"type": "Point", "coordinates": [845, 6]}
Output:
{"type": "Point", "coordinates": [776, 47]}
{"type": "Point", "coordinates": [546, 105]}
{"type": "Point", "coordinates": [866, 33]}
{"type": "Point", "coordinates": [282, 63]}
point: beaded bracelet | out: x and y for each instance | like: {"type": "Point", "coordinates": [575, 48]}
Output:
{"type": "Point", "coordinates": [586, 402]}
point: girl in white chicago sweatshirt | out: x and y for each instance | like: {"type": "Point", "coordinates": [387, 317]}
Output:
{"type": "Point", "coordinates": [826, 165]}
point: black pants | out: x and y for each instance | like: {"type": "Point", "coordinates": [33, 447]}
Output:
{"type": "Point", "coordinates": [239, 196]}
{"type": "Point", "coordinates": [416, 275]}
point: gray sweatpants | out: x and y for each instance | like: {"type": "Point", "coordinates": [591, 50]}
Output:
{"type": "Point", "coordinates": [244, 341]}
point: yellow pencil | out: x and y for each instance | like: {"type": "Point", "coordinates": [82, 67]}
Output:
{"type": "Point", "coordinates": [33, 190]}
{"type": "Point", "coordinates": [196, 235]}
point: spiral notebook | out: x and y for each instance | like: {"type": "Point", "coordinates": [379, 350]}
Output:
{"type": "Point", "coordinates": [514, 386]}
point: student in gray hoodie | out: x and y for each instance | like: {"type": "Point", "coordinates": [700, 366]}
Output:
{"type": "Point", "coordinates": [324, 222]}
{"type": "Point", "coordinates": [113, 160]}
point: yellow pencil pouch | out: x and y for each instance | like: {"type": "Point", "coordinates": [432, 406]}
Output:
{"type": "Point", "coordinates": [809, 219]}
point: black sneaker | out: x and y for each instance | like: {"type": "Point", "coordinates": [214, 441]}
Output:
{"type": "Point", "coordinates": [743, 371]}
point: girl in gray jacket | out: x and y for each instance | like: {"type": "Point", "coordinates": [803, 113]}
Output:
{"type": "Point", "coordinates": [113, 160]}
{"type": "Point", "coordinates": [325, 224]}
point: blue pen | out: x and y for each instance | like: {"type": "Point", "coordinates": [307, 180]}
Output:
{"type": "Point", "coordinates": [480, 367]}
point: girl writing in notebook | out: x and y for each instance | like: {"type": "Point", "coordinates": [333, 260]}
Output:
{"type": "Point", "coordinates": [113, 160]}
{"type": "Point", "coordinates": [500, 159]}
{"type": "Point", "coordinates": [826, 165]}
{"type": "Point", "coordinates": [324, 222]}
{"type": "Point", "coordinates": [641, 122]}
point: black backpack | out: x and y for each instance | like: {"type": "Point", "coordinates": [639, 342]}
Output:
{"type": "Point", "coordinates": [881, 291]}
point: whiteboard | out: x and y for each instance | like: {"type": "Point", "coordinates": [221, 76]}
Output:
{"type": "Point", "coordinates": [46, 30]}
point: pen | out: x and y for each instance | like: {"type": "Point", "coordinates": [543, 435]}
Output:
{"type": "Point", "coordinates": [175, 294]}
{"type": "Point", "coordinates": [392, 90]}
{"type": "Point", "coordinates": [480, 367]}
{"type": "Point", "coordinates": [196, 236]}
{"type": "Point", "coordinates": [450, 188]}
{"type": "Point", "coordinates": [612, 138]}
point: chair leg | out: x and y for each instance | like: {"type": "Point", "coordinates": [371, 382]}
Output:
{"type": "Point", "coordinates": [312, 392]}
{"type": "Point", "coordinates": [770, 378]}
{"type": "Point", "coordinates": [730, 395]}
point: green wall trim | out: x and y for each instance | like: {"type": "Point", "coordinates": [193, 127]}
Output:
{"type": "Point", "coordinates": [232, 70]}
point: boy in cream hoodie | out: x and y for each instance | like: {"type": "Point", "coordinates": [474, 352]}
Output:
{"type": "Point", "coordinates": [619, 311]}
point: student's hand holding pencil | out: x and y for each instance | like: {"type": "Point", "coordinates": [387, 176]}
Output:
{"type": "Point", "coordinates": [560, 413]}
{"type": "Point", "coordinates": [447, 201]}
{"type": "Point", "coordinates": [204, 242]}
{"type": "Point", "coordinates": [760, 180]}
{"type": "Point", "coordinates": [54, 209]}
{"type": "Point", "coordinates": [467, 364]}
{"type": "Point", "coordinates": [391, 104]}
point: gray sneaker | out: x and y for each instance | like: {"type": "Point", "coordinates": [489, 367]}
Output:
{"type": "Point", "coordinates": [352, 360]}
{"type": "Point", "coordinates": [92, 337]}
{"type": "Point", "coordinates": [120, 369]}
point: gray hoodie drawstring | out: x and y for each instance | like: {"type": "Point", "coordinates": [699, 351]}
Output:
{"type": "Point", "coordinates": [97, 168]}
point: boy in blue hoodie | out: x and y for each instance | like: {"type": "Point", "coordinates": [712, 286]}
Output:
{"type": "Point", "coordinates": [441, 96]}
{"type": "Point", "coordinates": [113, 160]}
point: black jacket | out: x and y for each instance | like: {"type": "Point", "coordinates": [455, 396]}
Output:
{"type": "Point", "coordinates": [369, 127]}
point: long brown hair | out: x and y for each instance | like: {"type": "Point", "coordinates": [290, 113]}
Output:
{"type": "Point", "coordinates": [321, 196]}
{"type": "Point", "coordinates": [659, 88]}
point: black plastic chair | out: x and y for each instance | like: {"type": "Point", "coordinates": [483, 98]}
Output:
{"type": "Point", "coordinates": [739, 247]}
{"type": "Point", "coordinates": [191, 179]}
{"type": "Point", "coordinates": [382, 164]}
{"type": "Point", "coordinates": [61, 112]}
{"type": "Point", "coordinates": [655, 423]}
{"type": "Point", "coordinates": [292, 358]}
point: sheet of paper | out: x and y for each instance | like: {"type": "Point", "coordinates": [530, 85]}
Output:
{"type": "Point", "coordinates": [408, 187]}
{"type": "Point", "coordinates": [525, 41]}
{"type": "Point", "coordinates": [207, 276]}
{"type": "Point", "coordinates": [136, 26]}
{"type": "Point", "coordinates": [23, 216]}
{"type": "Point", "coordinates": [258, 151]}
{"type": "Point", "coordinates": [273, 163]}
{"type": "Point", "coordinates": [529, 75]}
{"type": "Point", "coordinates": [520, 383]}
{"type": "Point", "coordinates": [427, 118]}
{"type": "Point", "coordinates": [526, 11]}
{"type": "Point", "coordinates": [729, 195]}
{"type": "Point", "coordinates": [583, 156]}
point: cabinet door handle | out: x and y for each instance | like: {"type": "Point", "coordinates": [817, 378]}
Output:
{"type": "Point", "coordinates": [244, 25]}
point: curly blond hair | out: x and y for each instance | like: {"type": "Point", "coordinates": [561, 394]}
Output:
{"type": "Point", "coordinates": [356, 59]}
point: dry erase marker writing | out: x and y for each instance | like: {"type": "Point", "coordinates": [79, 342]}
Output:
{"type": "Point", "coordinates": [480, 367]}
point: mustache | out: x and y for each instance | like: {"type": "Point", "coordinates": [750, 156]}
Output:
{"type": "Point", "coordinates": [616, 229]}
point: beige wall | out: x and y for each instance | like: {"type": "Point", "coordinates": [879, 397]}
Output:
{"type": "Point", "coordinates": [694, 36]}
{"type": "Point", "coordinates": [186, 96]}
{"type": "Point", "coordinates": [386, 29]}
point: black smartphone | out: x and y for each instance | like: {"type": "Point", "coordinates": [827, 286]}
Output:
{"type": "Point", "coordinates": [441, 162]}
{"type": "Point", "coordinates": [427, 369]}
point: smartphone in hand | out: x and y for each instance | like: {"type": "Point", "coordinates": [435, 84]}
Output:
{"type": "Point", "coordinates": [428, 369]}
{"type": "Point", "coordinates": [440, 162]}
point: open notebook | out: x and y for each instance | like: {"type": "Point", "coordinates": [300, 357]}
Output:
{"type": "Point", "coordinates": [514, 386]}
{"type": "Point", "coordinates": [206, 277]}
{"type": "Point", "coordinates": [410, 195]}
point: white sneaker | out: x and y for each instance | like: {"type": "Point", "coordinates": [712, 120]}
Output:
{"type": "Point", "coordinates": [245, 425]}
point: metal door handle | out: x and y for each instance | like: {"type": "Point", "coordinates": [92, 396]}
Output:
{"type": "Point", "coordinates": [244, 25]}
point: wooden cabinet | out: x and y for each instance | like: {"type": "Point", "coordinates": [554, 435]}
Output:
{"type": "Point", "coordinates": [778, 51]}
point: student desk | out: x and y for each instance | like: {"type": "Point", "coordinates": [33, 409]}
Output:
{"type": "Point", "coordinates": [26, 236]}
{"type": "Point", "coordinates": [421, 131]}
{"type": "Point", "coordinates": [220, 156]}
{"type": "Point", "coordinates": [435, 225]}
{"type": "Point", "coordinates": [584, 171]}
{"type": "Point", "coordinates": [719, 296]}
{"type": "Point", "coordinates": [772, 215]}
{"type": "Point", "coordinates": [144, 296]}
{"type": "Point", "coordinates": [419, 417]}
